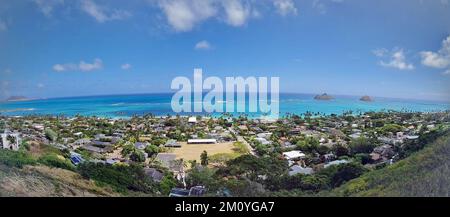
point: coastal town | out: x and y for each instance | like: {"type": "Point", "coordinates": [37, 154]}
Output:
{"type": "Point", "coordinates": [179, 155]}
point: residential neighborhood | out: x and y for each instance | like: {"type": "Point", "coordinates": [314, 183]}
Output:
{"type": "Point", "coordinates": [177, 147]}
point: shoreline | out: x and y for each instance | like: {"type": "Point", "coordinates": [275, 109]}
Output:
{"type": "Point", "coordinates": [217, 117]}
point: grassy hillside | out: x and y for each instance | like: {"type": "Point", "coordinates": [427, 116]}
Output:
{"type": "Point", "coordinates": [43, 181]}
{"type": "Point", "coordinates": [425, 173]}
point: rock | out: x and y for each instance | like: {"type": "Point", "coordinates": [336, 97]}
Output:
{"type": "Point", "coordinates": [17, 98]}
{"type": "Point", "coordinates": [366, 99]}
{"type": "Point", "coordinates": [323, 97]}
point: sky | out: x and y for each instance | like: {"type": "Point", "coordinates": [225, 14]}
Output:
{"type": "Point", "coordinates": [386, 48]}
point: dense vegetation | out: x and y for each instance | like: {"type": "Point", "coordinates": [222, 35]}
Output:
{"type": "Point", "coordinates": [121, 177]}
{"type": "Point", "coordinates": [425, 173]}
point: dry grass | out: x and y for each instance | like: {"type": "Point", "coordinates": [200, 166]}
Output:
{"type": "Point", "coordinates": [193, 151]}
{"type": "Point", "coordinates": [42, 181]}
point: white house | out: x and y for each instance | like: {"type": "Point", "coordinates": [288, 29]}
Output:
{"type": "Point", "coordinates": [293, 155]}
{"type": "Point", "coordinates": [202, 141]}
{"type": "Point", "coordinates": [263, 141]}
{"type": "Point", "coordinates": [336, 162]}
{"type": "Point", "coordinates": [192, 120]}
{"type": "Point", "coordinates": [10, 141]}
{"type": "Point", "coordinates": [296, 169]}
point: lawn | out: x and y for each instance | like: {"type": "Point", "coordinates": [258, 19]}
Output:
{"type": "Point", "coordinates": [193, 151]}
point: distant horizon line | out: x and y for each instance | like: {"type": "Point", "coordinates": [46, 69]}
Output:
{"type": "Point", "coordinates": [148, 93]}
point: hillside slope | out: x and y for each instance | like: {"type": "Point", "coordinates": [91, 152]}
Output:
{"type": "Point", "coordinates": [43, 181]}
{"type": "Point", "coordinates": [425, 173]}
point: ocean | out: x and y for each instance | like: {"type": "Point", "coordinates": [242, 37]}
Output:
{"type": "Point", "coordinates": [125, 106]}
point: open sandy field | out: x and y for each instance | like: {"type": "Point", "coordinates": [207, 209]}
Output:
{"type": "Point", "coordinates": [193, 151]}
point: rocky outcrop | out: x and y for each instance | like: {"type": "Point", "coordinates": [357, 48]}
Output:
{"type": "Point", "coordinates": [323, 97]}
{"type": "Point", "coordinates": [366, 99]}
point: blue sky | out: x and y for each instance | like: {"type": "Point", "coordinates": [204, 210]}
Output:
{"type": "Point", "coordinates": [55, 48]}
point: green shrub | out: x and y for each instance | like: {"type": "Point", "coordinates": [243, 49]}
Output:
{"type": "Point", "coordinates": [51, 135]}
{"type": "Point", "coordinates": [53, 160]}
{"type": "Point", "coordinates": [120, 177]}
{"type": "Point", "coordinates": [15, 158]}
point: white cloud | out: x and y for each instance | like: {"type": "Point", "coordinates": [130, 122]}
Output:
{"type": "Point", "coordinates": [65, 67]}
{"type": "Point", "coordinates": [183, 15]}
{"type": "Point", "coordinates": [380, 52]}
{"type": "Point", "coordinates": [101, 13]}
{"type": "Point", "coordinates": [97, 64]}
{"type": "Point", "coordinates": [82, 66]}
{"type": "Point", "coordinates": [285, 7]}
{"type": "Point", "coordinates": [322, 6]}
{"type": "Point", "coordinates": [447, 72]}
{"type": "Point", "coordinates": [203, 45]}
{"type": "Point", "coordinates": [47, 6]}
{"type": "Point", "coordinates": [319, 6]}
{"type": "Point", "coordinates": [3, 26]}
{"type": "Point", "coordinates": [395, 59]}
{"type": "Point", "coordinates": [40, 85]}
{"type": "Point", "coordinates": [440, 59]}
{"type": "Point", "coordinates": [125, 66]}
{"type": "Point", "coordinates": [236, 13]}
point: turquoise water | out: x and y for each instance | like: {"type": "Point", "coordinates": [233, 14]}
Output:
{"type": "Point", "coordinates": [123, 106]}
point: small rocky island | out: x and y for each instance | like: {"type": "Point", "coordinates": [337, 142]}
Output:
{"type": "Point", "coordinates": [366, 99]}
{"type": "Point", "coordinates": [323, 97]}
{"type": "Point", "coordinates": [16, 98]}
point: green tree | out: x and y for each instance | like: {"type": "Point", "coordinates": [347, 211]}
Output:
{"type": "Point", "coordinates": [50, 134]}
{"type": "Point", "coordinates": [340, 150]}
{"type": "Point", "coordinates": [127, 149]}
{"type": "Point", "coordinates": [204, 158]}
{"type": "Point", "coordinates": [361, 145]}
{"type": "Point", "coordinates": [137, 156]}
{"type": "Point", "coordinates": [167, 183]}
{"type": "Point", "coordinates": [151, 150]}
{"type": "Point", "coordinates": [308, 144]}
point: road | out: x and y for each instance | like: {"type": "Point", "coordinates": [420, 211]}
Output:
{"type": "Point", "coordinates": [241, 139]}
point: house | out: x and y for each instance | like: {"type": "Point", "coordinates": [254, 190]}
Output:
{"type": "Point", "coordinates": [192, 120]}
{"type": "Point", "coordinates": [172, 144]}
{"type": "Point", "coordinates": [243, 128]}
{"type": "Point", "coordinates": [412, 137]}
{"type": "Point", "coordinates": [288, 144]}
{"type": "Point", "coordinates": [76, 158]}
{"type": "Point", "coordinates": [375, 157]}
{"type": "Point", "coordinates": [293, 155]}
{"type": "Point", "coordinates": [355, 135]}
{"type": "Point", "coordinates": [296, 169]}
{"type": "Point", "coordinates": [112, 161]}
{"type": "Point", "coordinates": [336, 162]}
{"type": "Point", "coordinates": [202, 141]}
{"type": "Point", "coordinates": [141, 145]}
{"type": "Point", "coordinates": [81, 142]}
{"type": "Point", "coordinates": [197, 191]}
{"type": "Point", "coordinates": [263, 141]}
{"type": "Point", "coordinates": [10, 141]}
{"type": "Point", "coordinates": [385, 151]}
{"type": "Point", "coordinates": [166, 159]}
{"type": "Point", "coordinates": [154, 174]}
{"type": "Point", "coordinates": [39, 127]}
{"type": "Point", "coordinates": [179, 192]}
